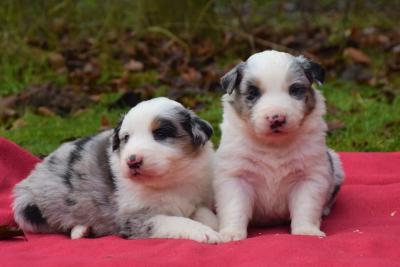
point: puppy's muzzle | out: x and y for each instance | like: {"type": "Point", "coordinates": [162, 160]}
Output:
{"type": "Point", "coordinates": [135, 162]}
{"type": "Point", "coordinates": [276, 122]}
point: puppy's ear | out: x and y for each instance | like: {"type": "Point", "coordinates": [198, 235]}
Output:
{"type": "Point", "coordinates": [202, 131]}
{"type": "Point", "coordinates": [232, 79]}
{"type": "Point", "coordinates": [314, 71]}
{"type": "Point", "coordinates": [199, 130]}
{"type": "Point", "coordinates": [115, 138]}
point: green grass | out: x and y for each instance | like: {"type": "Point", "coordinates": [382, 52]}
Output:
{"type": "Point", "coordinates": [371, 124]}
{"type": "Point", "coordinates": [42, 134]}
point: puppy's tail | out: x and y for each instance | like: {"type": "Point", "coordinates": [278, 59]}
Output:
{"type": "Point", "coordinates": [337, 176]}
{"type": "Point", "coordinates": [26, 212]}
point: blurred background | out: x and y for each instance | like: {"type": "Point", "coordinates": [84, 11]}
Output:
{"type": "Point", "coordinates": [71, 68]}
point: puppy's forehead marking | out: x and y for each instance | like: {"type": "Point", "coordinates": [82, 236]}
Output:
{"type": "Point", "coordinates": [269, 68]}
{"type": "Point", "coordinates": [143, 115]}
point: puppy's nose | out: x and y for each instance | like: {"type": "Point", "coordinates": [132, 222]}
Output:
{"type": "Point", "coordinates": [134, 161]}
{"type": "Point", "coordinates": [276, 121]}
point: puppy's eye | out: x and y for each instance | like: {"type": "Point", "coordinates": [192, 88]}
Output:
{"type": "Point", "coordinates": [252, 93]}
{"type": "Point", "coordinates": [125, 138]}
{"type": "Point", "coordinates": [297, 91]}
{"type": "Point", "coordinates": [166, 130]}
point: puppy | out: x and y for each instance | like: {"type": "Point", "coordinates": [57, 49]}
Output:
{"type": "Point", "coordinates": [149, 177]}
{"type": "Point", "coordinates": [272, 163]}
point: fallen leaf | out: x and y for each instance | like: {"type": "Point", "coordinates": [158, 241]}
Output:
{"type": "Point", "coordinates": [95, 98]}
{"type": "Point", "coordinates": [19, 123]}
{"type": "Point", "coordinates": [45, 111]}
{"type": "Point", "coordinates": [335, 125]}
{"type": "Point", "coordinates": [191, 75]}
{"type": "Point", "coordinates": [56, 60]}
{"type": "Point", "coordinates": [104, 123]}
{"type": "Point", "coordinates": [357, 56]}
{"type": "Point", "coordinates": [134, 65]}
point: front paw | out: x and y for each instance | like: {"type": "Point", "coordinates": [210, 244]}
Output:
{"type": "Point", "coordinates": [232, 234]}
{"type": "Point", "coordinates": [307, 230]}
{"type": "Point", "coordinates": [205, 235]}
{"type": "Point", "coordinates": [198, 232]}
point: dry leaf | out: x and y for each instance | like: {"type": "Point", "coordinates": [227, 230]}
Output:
{"type": "Point", "coordinates": [335, 125]}
{"type": "Point", "coordinates": [104, 123]}
{"type": "Point", "coordinates": [134, 65]}
{"type": "Point", "coordinates": [357, 56]}
{"type": "Point", "coordinates": [56, 60]}
{"type": "Point", "coordinates": [20, 123]}
{"type": "Point", "coordinates": [191, 75]}
{"type": "Point", "coordinates": [45, 111]}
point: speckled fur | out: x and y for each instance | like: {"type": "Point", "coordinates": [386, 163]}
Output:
{"type": "Point", "coordinates": [87, 184]}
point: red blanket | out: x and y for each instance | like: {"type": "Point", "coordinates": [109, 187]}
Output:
{"type": "Point", "coordinates": [362, 230]}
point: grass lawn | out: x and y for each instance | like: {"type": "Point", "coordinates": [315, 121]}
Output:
{"type": "Point", "coordinates": [370, 123]}
{"type": "Point", "coordinates": [34, 34]}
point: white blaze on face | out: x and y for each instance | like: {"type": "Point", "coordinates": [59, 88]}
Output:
{"type": "Point", "coordinates": [137, 124]}
{"type": "Point", "coordinates": [157, 139]}
{"type": "Point", "coordinates": [272, 72]}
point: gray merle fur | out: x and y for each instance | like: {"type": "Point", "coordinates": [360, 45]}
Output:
{"type": "Point", "coordinates": [199, 130]}
{"type": "Point", "coordinates": [54, 199]}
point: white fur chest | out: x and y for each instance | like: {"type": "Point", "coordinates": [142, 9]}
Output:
{"type": "Point", "coordinates": [271, 173]}
{"type": "Point", "coordinates": [176, 201]}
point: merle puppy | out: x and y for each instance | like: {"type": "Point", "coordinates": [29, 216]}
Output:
{"type": "Point", "coordinates": [149, 177]}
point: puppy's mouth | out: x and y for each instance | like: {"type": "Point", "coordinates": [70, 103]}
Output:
{"type": "Point", "coordinates": [277, 132]}
{"type": "Point", "coordinates": [135, 172]}
{"type": "Point", "coordinates": [140, 174]}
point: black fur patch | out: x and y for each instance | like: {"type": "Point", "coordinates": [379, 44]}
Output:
{"type": "Point", "coordinates": [317, 72]}
{"type": "Point", "coordinates": [313, 71]}
{"type": "Point", "coordinates": [166, 129]}
{"type": "Point", "coordinates": [204, 127]}
{"type": "Point", "coordinates": [335, 191]}
{"type": "Point", "coordinates": [53, 160]}
{"type": "Point", "coordinates": [74, 156]}
{"type": "Point", "coordinates": [298, 91]}
{"type": "Point", "coordinates": [115, 140]}
{"type": "Point", "coordinates": [199, 130]}
{"type": "Point", "coordinates": [33, 215]}
{"type": "Point", "coordinates": [70, 202]}
{"type": "Point", "coordinates": [330, 162]}
{"type": "Point", "coordinates": [186, 122]}
{"type": "Point", "coordinates": [105, 160]}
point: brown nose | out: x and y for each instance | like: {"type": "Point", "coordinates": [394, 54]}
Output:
{"type": "Point", "coordinates": [134, 161]}
{"type": "Point", "coordinates": [276, 121]}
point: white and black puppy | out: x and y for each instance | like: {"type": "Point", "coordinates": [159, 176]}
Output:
{"type": "Point", "coordinates": [272, 163]}
{"type": "Point", "coordinates": [149, 177]}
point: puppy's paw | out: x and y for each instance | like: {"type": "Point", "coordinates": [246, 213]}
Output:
{"type": "Point", "coordinates": [205, 235]}
{"type": "Point", "coordinates": [200, 233]}
{"type": "Point", "coordinates": [79, 231]}
{"type": "Point", "coordinates": [232, 234]}
{"type": "Point", "coordinates": [307, 230]}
